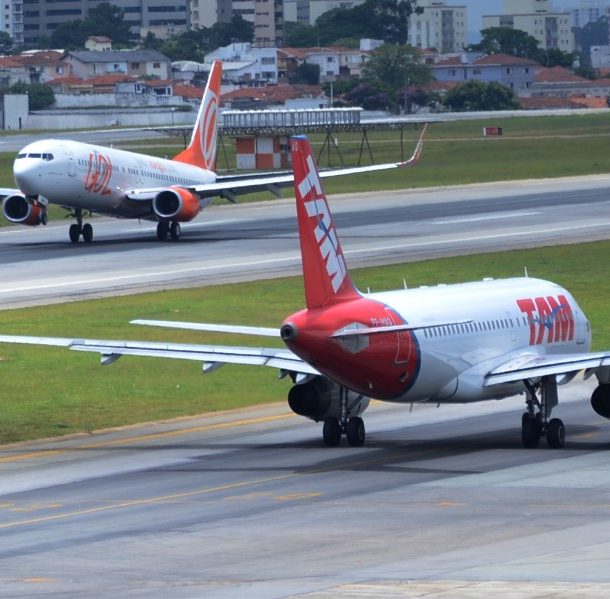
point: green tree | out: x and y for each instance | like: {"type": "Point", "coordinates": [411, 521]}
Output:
{"type": "Point", "coordinates": [236, 30]}
{"type": "Point", "coordinates": [300, 35]}
{"type": "Point", "coordinates": [308, 74]}
{"type": "Point", "coordinates": [594, 33]}
{"type": "Point", "coordinates": [39, 95]}
{"type": "Point", "coordinates": [368, 97]}
{"type": "Point", "coordinates": [6, 44]}
{"type": "Point", "coordinates": [477, 95]}
{"type": "Point", "coordinates": [104, 19]}
{"type": "Point", "coordinates": [505, 40]}
{"type": "Point", "coordinates": [380, 19]}
{"type": "Point", "coordinates": [392, 69]}
{"type": "Point", "coordinates": [554, 57]}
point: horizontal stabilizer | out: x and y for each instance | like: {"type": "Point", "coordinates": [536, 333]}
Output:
{"type": "Point", "coordinates": [214, 328]}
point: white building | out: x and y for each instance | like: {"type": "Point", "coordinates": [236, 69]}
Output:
{"type": "Point", "coordinates": [600, 57]}
{"type": "Point", "coordinates": [537, 18]}
{"type": "Point", "coordinates": [11, 20]}
{"type": "Point", "coordinates": [246, 65]}
{"type": "Point", "coordinates": [589, 11]}
{"type": "Point", "coordinates": [439, 26]}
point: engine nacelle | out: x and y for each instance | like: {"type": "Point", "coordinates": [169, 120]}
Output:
{"type": "Point", "coordinates": [176, 203]}
{"type": "Point", "coordinates": [320, 398]}
{"type": "Point", "coordinates": [21, 211]}
{"type": "Point", "coordinates": [600, 400]}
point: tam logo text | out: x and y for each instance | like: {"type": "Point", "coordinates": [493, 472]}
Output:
{"type": "Point", "coordinates": [324, 230]}
{"type": "Point", "coordinates": [549, 318]}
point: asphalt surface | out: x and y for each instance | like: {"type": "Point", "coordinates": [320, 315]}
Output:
{"type": "Point", "coordinates": [244, 242]}
{"type": "Point", "coordinates": [439, 503]}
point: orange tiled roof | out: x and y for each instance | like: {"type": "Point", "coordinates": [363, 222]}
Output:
{"type": "Point", "coordinates": [274, 93]}
{"type": "Point", "coordinates": [187, 91]}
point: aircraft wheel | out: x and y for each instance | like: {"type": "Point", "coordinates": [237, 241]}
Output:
{"type": "Point", "coordinates": [331, 432]}
{"type": "Point", "coordinates": [175, 231]}
{"type": "Point", "coordinates": [531, 431]}
{"type": "Point", "coordinates": [74, 233]}
{"type": "Point", "coordinates": [44, 217]}
{"type": "Point", "coordinates": [355, 432]}
{"type": "Point", "coordinates": [162, 230]}
{"type": "Point", "coordinates": [556, 434]}
{"type": "Point", "coordinates": [87, 233]}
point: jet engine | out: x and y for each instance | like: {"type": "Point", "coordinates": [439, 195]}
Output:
{"type": "Point", "coordinates": [320, 398]}
{"type": "Point", "coordinates": [176, 204]}
{"type": "Point", "coordinates": [600, 400]}
{"type": "Point", "coordinates": [21, 211]}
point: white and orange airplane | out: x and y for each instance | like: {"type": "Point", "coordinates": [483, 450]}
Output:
{"type": "Point", "coordinates": [457, 343]}
{"type": "Point", "coordinates": [84, 178]}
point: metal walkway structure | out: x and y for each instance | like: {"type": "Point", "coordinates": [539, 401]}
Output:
{"type": "Point", "coordinates": [326, 121]}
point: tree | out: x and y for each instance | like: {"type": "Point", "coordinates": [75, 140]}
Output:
{"type": "Point", "coordinates": [380, 19]}
{"type": "Point", "coordinates": [300, 35]}
{"type": "Point", "coordinates": [505, 40]}
{"type": "Point", "coordinates": [554, 57]}
{"type": "Point", "coordinates": [236, 30]}
{"type": "Point", "coordinates": [39, 95]}
{"type": "Point", "coordinates": [104, 19]}
{"type": "Point", "coordinates": [308, 74]}
{"type": "Point", "coordinates": [6, 43]}
{"type": "Point", "coordinates": [370, 98]}
{"type": "Point", "coordinates": [594, 33]}
{"type": "Point", "coordinates": [477, 95]}
{"type": "Point", "coordinates": [392, 69]}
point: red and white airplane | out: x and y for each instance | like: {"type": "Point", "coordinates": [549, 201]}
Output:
{"type": "Point", "coordinates": [84, 178]}
{"type": "Point", "coordinates": [456, 343]}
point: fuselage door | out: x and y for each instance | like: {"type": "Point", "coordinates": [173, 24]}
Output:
{"type": "Point", "coordinates": [71, 161]}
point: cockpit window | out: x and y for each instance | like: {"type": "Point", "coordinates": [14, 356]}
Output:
{"type": "Point", "coordinates": [23, 155]}
{"type": "Point", "coordinates": [34, 156]}
{"type": "Point", "coordinates": [47, 156]}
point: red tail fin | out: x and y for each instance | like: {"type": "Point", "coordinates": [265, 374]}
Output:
{"type": "Point", "coordinates": [324, 271]}
{"type": "Point", "coordinates": [201, 150]}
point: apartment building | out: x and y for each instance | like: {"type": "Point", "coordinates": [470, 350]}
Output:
{"type": "Point", "coordinates": [552, 29]}
{"type": "Point", "coordinates": [439, 26]}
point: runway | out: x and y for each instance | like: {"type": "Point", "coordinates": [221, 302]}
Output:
{"type": "Point", "coordinates": [244, 242]}
{"type": "Point", "coordinates": [439, 503]}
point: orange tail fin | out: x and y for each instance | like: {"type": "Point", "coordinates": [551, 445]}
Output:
{"type": "Point", "coordinates": [325, 274]}
{"type": "Point", "coordinates": [201, 150]}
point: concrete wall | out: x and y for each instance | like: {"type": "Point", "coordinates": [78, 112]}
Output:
{"type": "Point", "coordinates": [120, 99]}
{"type": "Point", "coordinates": [15, 111]}
{"type": "Point", "coordinates": [108, 118]}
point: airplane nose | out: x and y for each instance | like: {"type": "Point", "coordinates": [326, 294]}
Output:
{"type": "Point", "coordinates": [26, 174]}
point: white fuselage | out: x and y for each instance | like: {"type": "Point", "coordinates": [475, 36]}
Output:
{"type": "Point", "coordinates": [97, 178]}
{"type": "Point", "coordinates": [507, 318]}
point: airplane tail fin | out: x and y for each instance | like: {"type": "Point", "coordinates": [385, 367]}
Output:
{"type": "Point", "coordinates": [325, 274]}
{"type": "Point", "coordinates": [201, 150]}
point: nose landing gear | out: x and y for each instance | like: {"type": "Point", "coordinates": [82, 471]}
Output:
{"type": "Point", "coordinates": [77, 229]}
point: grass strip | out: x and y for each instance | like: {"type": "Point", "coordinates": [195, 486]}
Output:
{"type": "Point", "coordinates": [49, 391]}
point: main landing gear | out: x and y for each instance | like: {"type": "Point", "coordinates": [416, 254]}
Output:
{"type": "Point", "coordinates": [535, 423]}
{"type": "Point", "coordinates": [352, 428]}
{"type": "Point", "coordinates": [165, 227]}
{"type": "Point", "coordinates": [78, 229]}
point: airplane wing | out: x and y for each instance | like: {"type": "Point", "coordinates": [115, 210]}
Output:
{"type": "Point", "coordinates": [231, 186]}
{"type": "Point", "coordinates": [212, 356]}
{"type": "Point", "coordinates": [215, 328]}
{"type": "Point", "coordinates": [7, 191]}
{"type": "Point", "coordinates": [528, 366]}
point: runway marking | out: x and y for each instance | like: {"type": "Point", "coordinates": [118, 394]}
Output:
{"type": "Point", "coordinates": [296, 257]}
{"type": "Point", "coordinates": [475, 219]}
{"type": "Point", "coordinates": [147, 437]}
{"type": "Point", "coordinates": [194, 493]}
